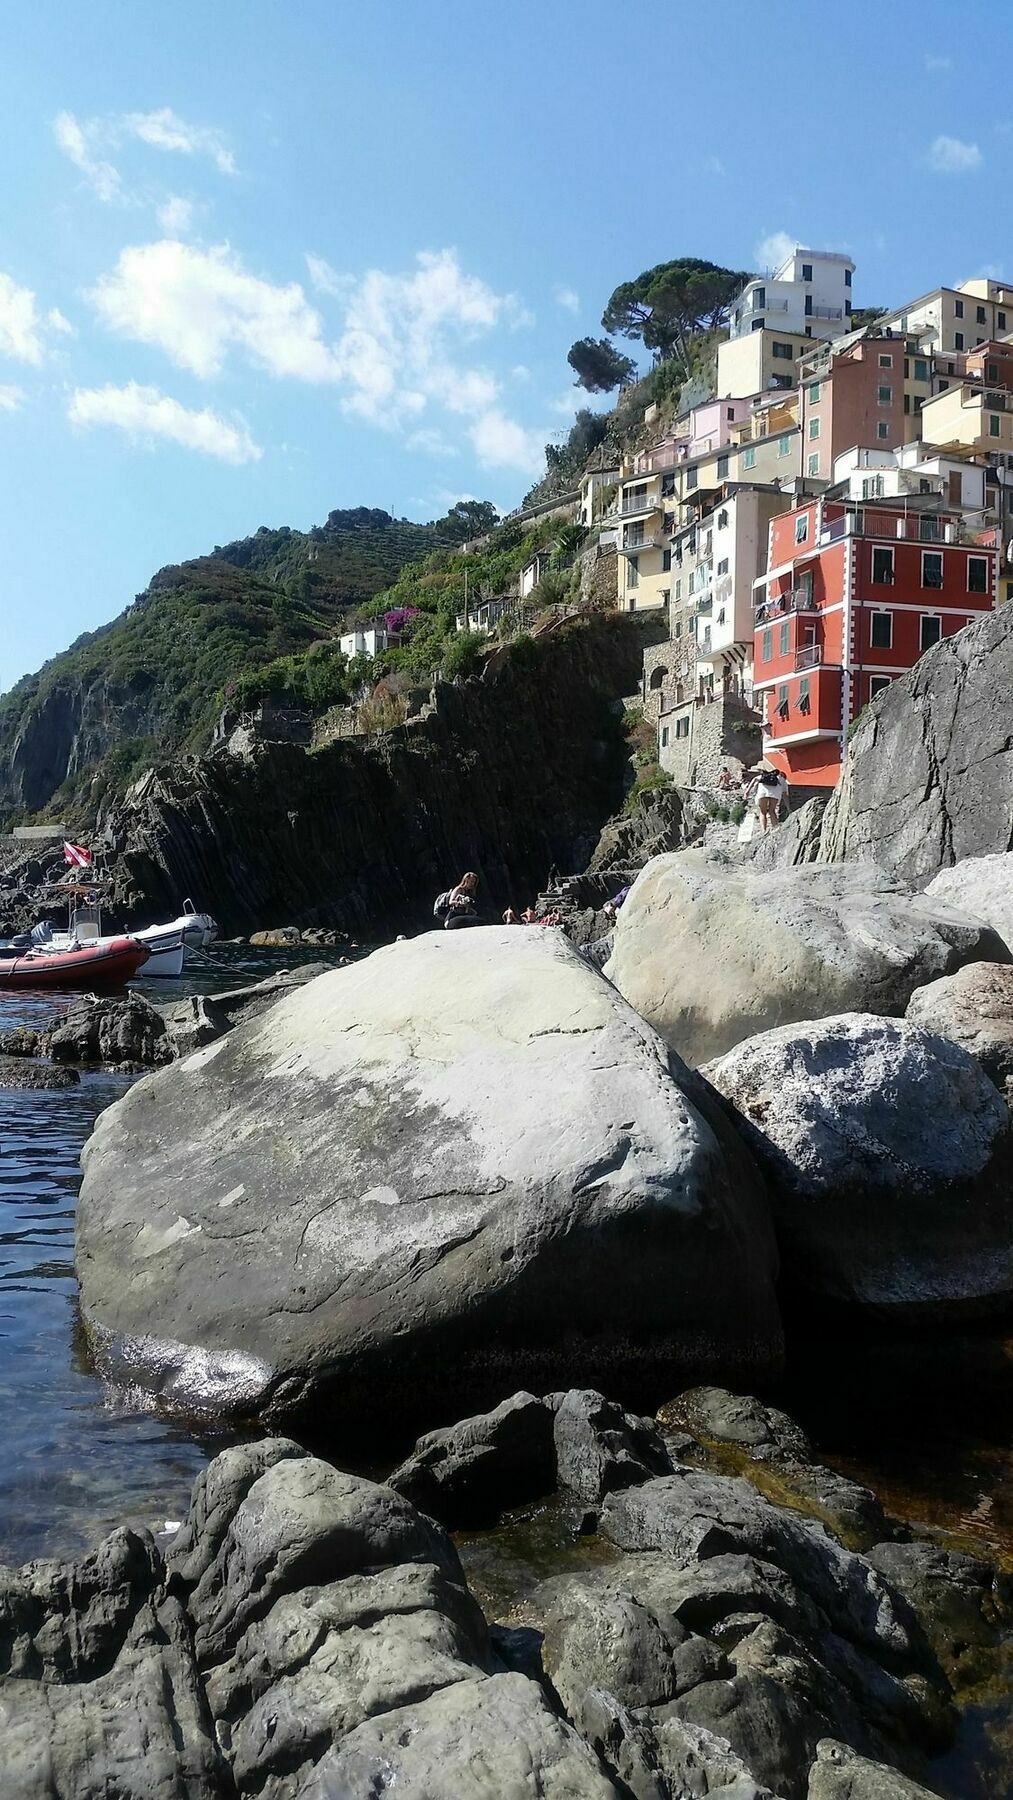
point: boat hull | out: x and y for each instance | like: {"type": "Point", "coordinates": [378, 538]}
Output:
{"type": "Point", "coordinates": [111, 964]}
{"type": "Point", "coordinates": [166, 953]}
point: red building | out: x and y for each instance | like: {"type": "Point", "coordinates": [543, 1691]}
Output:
{"type": "Point", "coordinates": [852, 597]}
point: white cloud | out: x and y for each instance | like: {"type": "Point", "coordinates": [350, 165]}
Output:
{"type": "Point", "coordinates": [165, 130]}
{"type": "Point", "coordinates": [772, 250]}
{"type": "Point", "coordinates": [56, 322]}
{"type": "Point", "coordinates": [196, 305]}
{"type": "Point", "coordinates": [11, 398]}
{"type": "Point", "coordinates": [402, 334]}
{"type": "Point", "coordinates": [937, 65]}
{"type": "Point", "coordinates": [147, 415]}
{"type": "Point", "coordinates": [86, 142]}
{"type": "Point", "coordinates": [176, 215]}
{"type": "Point", "coordinates": [501, 443]}
{"type": "Point", "coordinates": [77, 141]}
{"type": "Point", "coordinates": [430, 442]}
{"type": "Point", "coordinates": [567, 298]}
{"type": "Point", "coordinates": [324, 278]}
{"type": "Point", "coordinates": [22, 329]}
{"type": "Point", "coordinates": [950, 156]}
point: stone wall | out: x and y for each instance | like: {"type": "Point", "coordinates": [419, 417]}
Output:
{"type": "Point", "coordinates": [722, 732]}
{"type": "Point", "coordinates": [668, 668]}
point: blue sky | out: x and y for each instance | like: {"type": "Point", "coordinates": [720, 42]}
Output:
{"type": "Point", "coordinates": [260, 260]}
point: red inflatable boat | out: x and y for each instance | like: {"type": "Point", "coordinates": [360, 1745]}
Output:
{"type": "Point", "coordinates": [110, 963]}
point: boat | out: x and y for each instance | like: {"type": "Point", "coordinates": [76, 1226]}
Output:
{"type": "Point", "coordinates": [199, 929]}
{"type": "Point", "coordinates": [168, 945]}
{"type": "Point", "coordinates": [106, 962]}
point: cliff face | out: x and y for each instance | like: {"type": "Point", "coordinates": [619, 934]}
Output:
{"type": "Point", "coordinates": [509, 775]}
{"type": "Point", "coordinates": [929, 774]}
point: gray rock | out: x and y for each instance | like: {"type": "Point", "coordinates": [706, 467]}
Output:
{"type": "Point", "coordinates": [474, 1741]}
{"type": "Point", "coordinates": [887, 1154]}
{"type": "Point", "coordinates": [469, 1474]}
{"type": "Point", "coordinates": [959, 1600]}
{"type": "Point", "coordinates": [61, 1621]}
{"type": "Point", "coordinates": [21, 1072]}
{"type": "Point", "coordinates": [126, 1033]}
{"type": "Point", "coordinates": [763, 1443]}
{"type": "Point", "coordinates": [710, 951]}
{"type": "Point", "coordinates": [928, 779]}
{"type": "Point", "coordinates": [838, 1774]}
{"type": "Point", "coordinates": [981, 886]}
{"type": "Point", "coordinates": [281, 937]}
{"type": "Point", "coordinates": [461, 1163]}
{"type": "Point", "coordinates": [201, 1018]}
{"type": "Point", "coordinates": [600, 1448]}
{"type": "Point", "coordinates": [974, 1008]}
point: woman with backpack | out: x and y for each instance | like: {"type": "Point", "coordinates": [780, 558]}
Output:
{"type": "Point", "coordinates": [771, 789]}
{"type": "Point", "coordinates": [457, 906]}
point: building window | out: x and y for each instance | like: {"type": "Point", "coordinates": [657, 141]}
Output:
{"type": "Point", "coordinates": [729, 412]}
{"type": "Point", "coordinates": [692, 477]}
{"type": "Point", "coordinates": [808, 306]}
{"type": "Point", "coordinates": [802, 528]}
{"type": "Point", "coordinates": [814, 393]}
{"type": "Point", "coordinates": [664, 736]}
{"type": "Point", "coordinates": [633, 571]}
{"type": "Point", "coordinates": [749, 457]}
{"type": "Point", "coordinates": [782, 702]}
{"type": "Point", "coordinates": [980, 315]}
{"type": "Point", "coordinates": [977, 574]}
{"type": "Point", "coordinates": [881, 631]}
{"type": "Point", "coordinates": [807, 271]}
{"type": "Point", "coordinates": [958, 340]}
{"type": "Point", "coordinates": [678, 588]}
{"type": "Point", "coordinates": [784, 638]}
{"type": "Point", "coordinates": [722, 466]}
{"type": "Point", "coordinates": [992, 372]}
{"type": "Point", "coordinates": [885, 396]}
{"type": "Point", "coordinates": [783, 351]}
{"type": "Point", "coordinates": [994, 425]}
{"type": "Point", "coordinates": [803, 694]}
{"type": "Point", "coordinates": [682, 728]}
{"type": "Point", "coordinates": [873, 488]}
{"type": "Point", "coordinates": [847, 277]}
{"type": "Point", "coordinates": [886, 362]}
{"type": "Point", "coordinates": [784, 444]}
{"type": "Point", "coordinates": [723, 566]}
{"type": "Point", "coordinates": [1000, 319]}
{"type": "Point", "coordinates": [882, 431]}
{"type": "Point", "coordinates": [767, 645]}
{"type": "Point", "coordinates": [932, 630]}
{"type": "Point", "coordinates": [813, 464]}
{"type": "Point", "coordinates": [722, 519]}
{"type": "Point", "coordinates": [666, 560]}
{"type": "Point", "coordinates": [882, 565]}
{"type": "Point", "coordinates": [958, 309]}
{"type": "Point", "coordinates": [678, 628]}
{"type": "Point", "coordinates": [876, 685]}
{"type": "Point", "coordinates": [932, 569]}
{"type": "Point", "coordinates": [814, 429]}
{"type": "Point", "coordinates": [907, 401]}
{"type": "Point", "coordinates": [951, 368]}
{"type": "Point", "coordinates": [921, 369]}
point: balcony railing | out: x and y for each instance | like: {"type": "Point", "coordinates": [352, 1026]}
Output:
{"type": "Point", "coordinates": [810, 657]}
{"type": "Point", "coordinates": [797, 600]}
{"type": "Point", "coordinates": [646, 541]}
{"type": "Point", "coordinates": [825, 312]}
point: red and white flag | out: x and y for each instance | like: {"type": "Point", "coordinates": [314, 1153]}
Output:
{"type": "Point", "coordinates": [77, 856]}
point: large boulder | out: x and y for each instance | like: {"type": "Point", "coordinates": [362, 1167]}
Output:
{"type": "Point", "coordinates": [887, 1153]}
{"type": "Point", "coordinates": [974, 1007]}
{"type": "Point", "coordinates": [928, 778]}
{"type": "Point", "coordinates": [460, 1166]}
{"type": "Point", "coordinates": [710, 951]}
{"type": "Point", "coordinates": [983, 886]}
{"type": "Point", "coordinates": [126, 1032]}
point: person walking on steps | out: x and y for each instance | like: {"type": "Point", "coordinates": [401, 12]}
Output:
{"type": "Point", "coordinates": [771, 789]}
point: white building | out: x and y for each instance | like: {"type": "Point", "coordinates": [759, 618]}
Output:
{"type": "Point", "coordinates": [364, 640]}
{"type": "Point", "coordinates": [915, 469]}
{"type": "Point", "coordinates": [809, 294]}
{"type": "Point", "coordinates": [729, 551]}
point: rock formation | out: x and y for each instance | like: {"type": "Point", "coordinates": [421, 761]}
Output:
{"type": "Point", "coordinates": [974, 1008]}
{"type": "Point", "coordinates": [461, 1157]}
{"type": "Point", "coordinates": [928, 778]}
{"type": "Point", "coordinates": [887, 1156]}
{"type": "Point", "coordinates": [710, 951]}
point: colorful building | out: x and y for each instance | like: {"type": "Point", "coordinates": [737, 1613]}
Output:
{"type": "Point", "coordinates": [851, 598]}
{"type": "Point", "coordinates": [956, 319]}
{"type": "Point", "coordinates": [809, 293]}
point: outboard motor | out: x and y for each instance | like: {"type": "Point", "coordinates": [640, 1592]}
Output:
{"type": "Point", "coordinates": [40, 934]}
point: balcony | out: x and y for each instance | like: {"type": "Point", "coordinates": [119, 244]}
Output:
{"type": "Point", "coordinates": [632, 545]}
{"type": "Point", "coordinates": [775, 606]}
{"type": "Point", "coordinates": [704, 602]}
{"type": "Point", "coordinates": [809, 658]}
{"type": "Point", "coordinates": [644, 505]}
{"type": "Point", "coordinates": [825, 312]}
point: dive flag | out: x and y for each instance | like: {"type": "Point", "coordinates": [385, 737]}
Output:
{"type": "Point", "coordinates": [77, 856]}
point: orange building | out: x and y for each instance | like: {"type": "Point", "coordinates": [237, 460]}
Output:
{"type": "Point", "coordinates": [851, 598]}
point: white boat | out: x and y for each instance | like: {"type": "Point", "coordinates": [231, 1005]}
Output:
{"type": "Point", "coordinates": [167, 945]}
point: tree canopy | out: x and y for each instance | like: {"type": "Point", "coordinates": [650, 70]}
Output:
{"type": "Point", "coordinates": [468, 519]}
{"type": "Point", "coordinates": [666, 305]}
{"type": "Point", "coordinates": [599, 366]}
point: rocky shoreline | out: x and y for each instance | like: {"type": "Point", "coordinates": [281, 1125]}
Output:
{"type": "Point", "coordinates": [309, 1633]}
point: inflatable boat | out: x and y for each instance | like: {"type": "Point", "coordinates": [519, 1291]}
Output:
{"type": "Point", "coordinates": [110, 962]}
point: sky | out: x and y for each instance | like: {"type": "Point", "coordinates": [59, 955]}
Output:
{"type": "Point", "coordinates": [264, 258]}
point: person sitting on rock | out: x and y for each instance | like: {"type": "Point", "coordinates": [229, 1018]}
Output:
{"type": "Point", "coordinates": [510, 917]}
{"type": "Point", "coordinates": [529, 916]}
{"type": "Point", "coordinates": [460, 908]}
{"type": "Point", "coordinates": [726, 780]}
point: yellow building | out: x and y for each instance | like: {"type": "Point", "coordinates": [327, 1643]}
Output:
{"type": "Point", "coordinates": [952, 320]}
{"type": "Point", "coordinates": [758, 361]}
{"type": "Point", "coordinates": [969, 417]}
{"type": "Point", "coordinates": [642, 530]}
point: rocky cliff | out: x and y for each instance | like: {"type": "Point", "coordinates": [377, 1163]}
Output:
{"type": "Point", "coordinates": [508, 774]}
{"type": "Point", "coordinates": [929, 773]}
